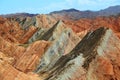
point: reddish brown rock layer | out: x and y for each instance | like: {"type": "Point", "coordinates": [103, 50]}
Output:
{"type": "Point", "coordinates": [92, 24]}
{"type": "Point", "coordinates": [9, 31]}
{"type": "Point", "coordinates": [12, 32]}
{"type": "Point", "coordinates": [31, 57]}
{"type": "Point", "coordinates": [27, 35]}
{"type": "Point", "coordinates": [8, 72]}
{"type": "Point", "coordinates": [11, 49]}
{"type": "Point", "coordinates": [15, 60]}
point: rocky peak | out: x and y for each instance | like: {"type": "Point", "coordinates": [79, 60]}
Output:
{"type": "Point", "coordinates": [90, 50]}
{"type": "Point", "coordinates": [62, 41]}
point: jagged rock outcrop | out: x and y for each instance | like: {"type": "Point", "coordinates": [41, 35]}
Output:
{"type": "Point", "coordinates": [91, 59]}
{"type": "Point", "coordinates": [25, 58]}
{"type": "Point", "coordinates": [37, 35]}
{"type": "Point", "coordinates": [45, 21]}
{"type": "Point", "coordinates": [29, 28]}
{"type": "Point", "coordinates": [41, 21]}
{"type": "Point", "coordinates": [106, 64]}
{"type": "Point", "coordinates": [43, 34]}
{"type": "Point", "coordinates": [63, 40]}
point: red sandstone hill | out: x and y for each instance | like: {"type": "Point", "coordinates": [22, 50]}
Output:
{"type": "Point", "coordinates": [12, 31]}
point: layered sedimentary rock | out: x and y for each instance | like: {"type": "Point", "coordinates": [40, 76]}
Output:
{"type": "Point", "coordinates": [91, 59]}
{"type": "Point", "coordinates": [31, 57]}
{"type": "Point", "coordinates": [41, 21]}
{"type": "Point", "coordinates": [25, 58]}
{"type": "Point", "coordinates": [63, 41]}
{"type": "Point", "coordinates": [8, 72]}
{"type": "Point", "coordinates": [27, 35]}
{"type": "Point", "coordinates": [37, 34]}
{"type": "Point", "coordinates": [17, 62]}
{"type": "Point", "coordinates": [11, 49]}
{"type": "Point", "coordinates": [11, 31]}
{"type": "Point", "coordinates": [45, 21]}
{"type": "Point", "coordinates": [106, 64]}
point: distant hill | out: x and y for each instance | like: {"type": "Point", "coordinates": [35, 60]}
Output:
{"type": "Point", "coordinates": [19, 15]}
{"type": "Point", "coordinates": [76, 14]}
{"type": "Point", "coordinates": [113, 10]}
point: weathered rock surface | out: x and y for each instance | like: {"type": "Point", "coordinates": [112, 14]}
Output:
{"type": "Point", "coordinates": [27, 35]}
{"type": "Point", "coordinates": [11, 49]}
{"type": "Point", "coordinates": [63, 41]}
{"type": "Point", "coordinates": [31, 57]}
{"type": "Point", "coordinates": [23, 59]}
{"type": "Point", "coordinates": [17, 62]}
{"type": "Point", "coordinates": [11, 31]}
{"type": "Point", "coordinates": [41, 21]}
{"type": "Point", "coordinates": [8, 72]}
{"type": "Point", "coordinates": [91, 59]}
{"type": "Point", "coordinates": [106, 64]}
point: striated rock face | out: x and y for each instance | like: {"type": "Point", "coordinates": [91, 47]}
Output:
{"type": "Point", "coordinates": [31, 57]}
{"type": "Point", "coordinates": [106, 64]}
{"type": "Point", "coordinates": [28, 29]}
{"type": "Point", "coordinates": [8, 72]}
{"type": "Point", "coordinates": [45, 21]}
{"type": "Point", "coordinates": [63, 41]}
{"type": "Point", "coordinates": [17, 62]}
{"type": "Point", "coordinates": [11, 49]}
{"type": "Point", "coordinates": [37, 35]}
{"type": "Point", "coordinates": [11, 31]}
{"type": "Point", "coordinates": [91, 59]}
{"type": "Point", "coordinates": [23, 59]}
{"type": "Point", "coordinates": [27, 35]}
{"type": "Point", "coordinates": [41, 21]}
